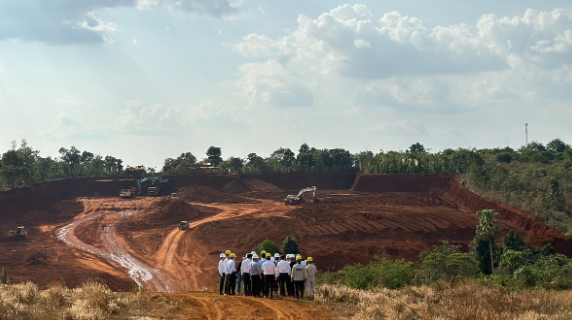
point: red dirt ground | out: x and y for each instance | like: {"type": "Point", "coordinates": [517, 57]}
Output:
{"type": "Point", "coordinates": [124, 241]}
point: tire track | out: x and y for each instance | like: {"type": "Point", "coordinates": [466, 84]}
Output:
{"type": "Point", "coordinates": [114, 253]}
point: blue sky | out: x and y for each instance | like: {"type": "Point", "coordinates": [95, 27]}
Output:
{"type": "Point", "coordinates": [144, 80]}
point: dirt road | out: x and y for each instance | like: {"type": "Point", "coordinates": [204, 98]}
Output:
{"type": "Point", "coordinates": [113, 251]}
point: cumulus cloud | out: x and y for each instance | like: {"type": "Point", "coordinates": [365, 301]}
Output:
{"type": "Point", "coordinates": [271, 82]}
{"type": "Point", "coordinates": [65, 128]}
{"type": "Point", "coordinates": [72, 21]}
{"type": "Point", "coordinates": [143, 118]}
{"type": "Point", "coordinates": [140, 117]}
{"type": "Point", "coordinates": [404, 62]}
{"type": "Point", "coordinates": [213, 114]}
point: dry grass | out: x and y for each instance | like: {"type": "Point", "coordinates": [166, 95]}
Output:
{"type": "Point", "coordinates": [91, 301]}
{"type": "Point", "coordinates": [466, 301]}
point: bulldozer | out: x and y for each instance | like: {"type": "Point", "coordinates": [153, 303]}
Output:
{"type": "Point", "coordinates": [19, 234]}
{"type": "Point", "coordinates": [296, 199]}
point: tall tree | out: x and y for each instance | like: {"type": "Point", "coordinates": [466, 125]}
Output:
{"type": "Point", "coordinates": [290, 246]}
{"type": "Point", "coordinates": [417, 147]}
{"type": "Point", "coordinates": [71, 159]}
{"type": "Point", "coordinates": [235, 164]}
{"type": "Point", "coordinates": [488, 229]}
{"type": "Point", "coordinates": [284, 156]}
{"type": "Point", "coordinates": [556, 145]}
{"type": "Point", "coordinates": [214, 155]}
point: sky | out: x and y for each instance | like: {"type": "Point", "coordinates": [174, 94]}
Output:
{"type": "Point", "coordinates": [145, 80]}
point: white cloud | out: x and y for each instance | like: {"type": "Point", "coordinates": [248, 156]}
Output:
{"type": "Point", "coordinates": [134, 41]}
{"type": "Point", "coordinates": [272, 83]}
{"type": "Point", "coordinates": [212, 114]}
{"type": "Point", "coordinates": [395, 59]}
{"type": "Point", "coordinates": [360, 43]}
{"type": "Point", "coordinates": [65, 128]}
{"type": "Point", "coordinates": [151, 119]}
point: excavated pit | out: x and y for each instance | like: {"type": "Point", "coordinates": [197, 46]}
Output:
{"type": "Point", "coordinates": [358, 216]}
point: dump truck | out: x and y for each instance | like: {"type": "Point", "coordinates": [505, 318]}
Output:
{"type": "Point", "coordinates": [127, 192]}
{"type": "Point", "coordinates": [19, 234]}
{"type": "Point", "coordinates": [152, 190]}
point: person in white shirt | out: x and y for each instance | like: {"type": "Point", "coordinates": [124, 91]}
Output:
{"type": "Point", "coordinates": [244, 271]}
{"type": "Point", "coordinates": [231, 276]}
{"type": "Point", "coordinates": [221, 273]}
{"type": "Point", "coordinates": [283, 270]}
{"type": "Point", "coordinates": [269, 270]}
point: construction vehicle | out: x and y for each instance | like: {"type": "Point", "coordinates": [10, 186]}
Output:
{"type": "Point", "coordinates": [183, 225]}
{"type": "Point", "coordinates": [19, 234]}
{"type": "Point", "coordinates": [153, 190]}
{"type": "Point", "coordinates": [127, 192]}
{"type": "Point", "coordinates": [292, 200]}
{"type": "Point", "coordinates": [174, 196]}
{"type": "Point", "coordinates": [134, 172]}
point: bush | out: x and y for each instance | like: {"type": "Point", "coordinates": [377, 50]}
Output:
{"type": "Point", "coordinates": [392, 274]}
{"type": "Point", "coordinates": [269, 246]}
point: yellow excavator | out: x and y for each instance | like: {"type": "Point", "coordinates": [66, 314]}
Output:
{"type": "Point", "coordinates": [19, 234]}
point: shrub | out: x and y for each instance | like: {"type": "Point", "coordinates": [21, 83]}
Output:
{"type": "Point", "coordinates": [392, 274]}
{"type": "Point", "coordinates": [511, 260]}
{"type": "Point", "coordinates": [269, 246]}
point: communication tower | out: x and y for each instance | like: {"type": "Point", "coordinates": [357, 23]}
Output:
{"type": "Point", "coordinates": [526, 132]}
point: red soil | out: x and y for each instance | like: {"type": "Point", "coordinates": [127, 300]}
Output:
{"type": "Point", "coordinates": [399, 216]}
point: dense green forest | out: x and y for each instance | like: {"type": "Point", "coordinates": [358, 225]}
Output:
{"type": "Point", "coordinates": [536, 178]}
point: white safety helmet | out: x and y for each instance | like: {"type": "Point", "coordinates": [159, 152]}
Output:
{"type": "Point", "coordinates": [255, 256]}
{"type": "Point", "coordinates": [222, 255]}
{"type": "Point", "coordinates": [253, 253]}
{"type": "Point", "coordinates": [277, 255]}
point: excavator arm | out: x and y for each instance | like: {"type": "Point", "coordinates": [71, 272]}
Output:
{"type": "Point", "coordinates": [291, 199]}
{"type": "Point", "coordinates": [307, 189]}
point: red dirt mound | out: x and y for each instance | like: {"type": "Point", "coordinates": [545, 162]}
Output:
{"type": "Point", "coordinates": [236, 187]}
{"type": "Point", "coordinates": [208, 195]}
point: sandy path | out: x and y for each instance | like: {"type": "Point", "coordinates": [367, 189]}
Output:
{"type": "Point", "coordinates": [114, 252]}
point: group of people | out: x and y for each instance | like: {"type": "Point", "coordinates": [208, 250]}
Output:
{"type": "Point", "coordinates": [260, 274]}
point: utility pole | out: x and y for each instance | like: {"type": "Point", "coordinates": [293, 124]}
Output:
{"type": "Point", "coordinates": [526, 132]}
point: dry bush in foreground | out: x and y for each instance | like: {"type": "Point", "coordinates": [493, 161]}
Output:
{"type": "Point", "coordinates": [90, 301]}
{"type": "Point", "coordinates": [443, 301]}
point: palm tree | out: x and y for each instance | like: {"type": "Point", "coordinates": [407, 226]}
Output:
{"type": "Point", "coordinates": [488, 228]}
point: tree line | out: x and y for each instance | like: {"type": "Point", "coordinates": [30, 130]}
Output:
{"type": "Point", "coordinates": [21, 166]}
{"type": "Point", "coordinates": [536, 178]}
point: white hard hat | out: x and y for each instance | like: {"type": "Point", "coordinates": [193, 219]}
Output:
{"type": "Point", "coordinates": [255, 256]}
{"type": "Point", "coordinates": [222, 255]}
{"type": "Point", "coordinates": [277, 255]}
{"type": "Point", "coordinates": [253, 252]}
